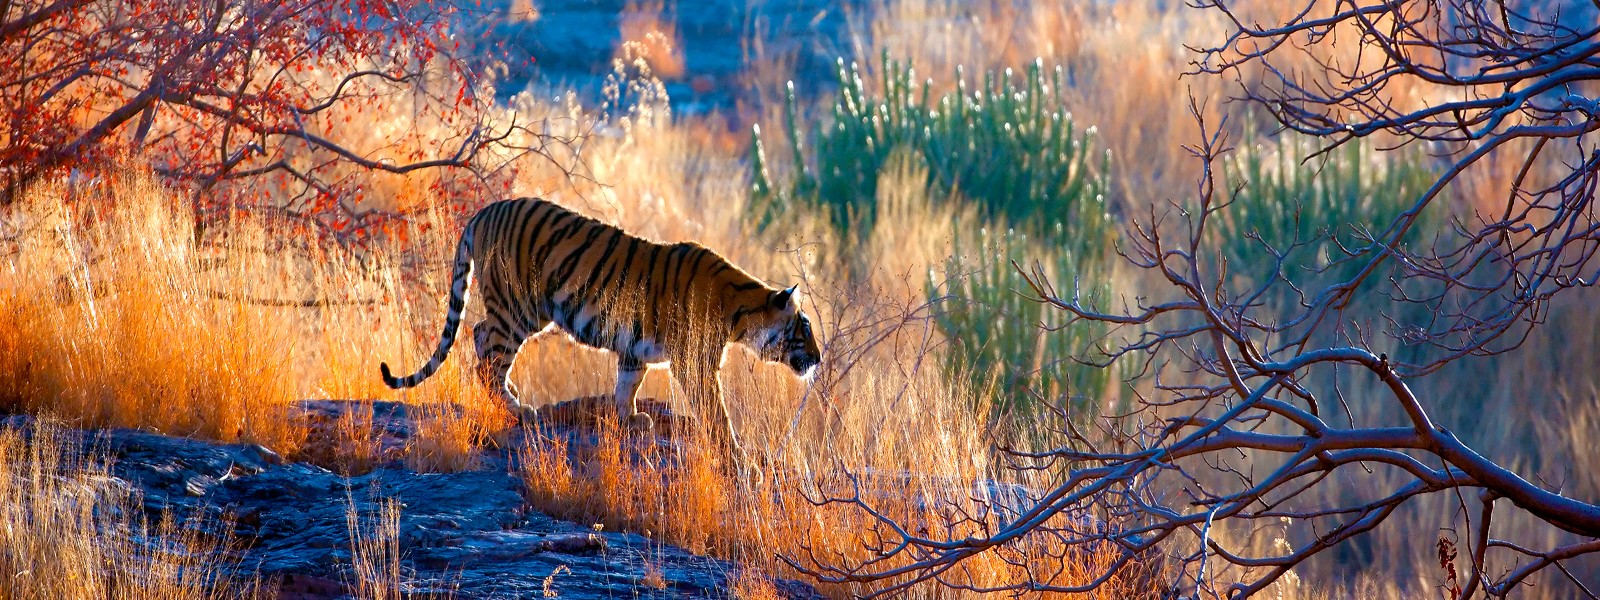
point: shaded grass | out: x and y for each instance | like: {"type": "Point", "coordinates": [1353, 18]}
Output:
{"type": "Point", "coordinates": [1012, 346]}
{"type": "Point", "coordinates": [1316, 211]}
{"type": "Point", "coordinates": [68, 531]}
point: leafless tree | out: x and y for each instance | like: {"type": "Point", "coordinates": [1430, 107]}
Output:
{"type": "Point", "coordinates": [1234, 425]}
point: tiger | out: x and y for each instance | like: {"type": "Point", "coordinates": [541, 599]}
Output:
{"type": "Point", "coordinates": [539, 266]}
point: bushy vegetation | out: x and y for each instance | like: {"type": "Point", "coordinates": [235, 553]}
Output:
{"type": "Point", "coordinates": [1318, 212]}
{"type": "Point", "coordinates": [1007, 145]}
{"type": "Point", "coordinates": [1010, 345]}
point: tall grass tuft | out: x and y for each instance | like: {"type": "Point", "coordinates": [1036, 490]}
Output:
{"type": "Point", "coordinates": [1006, 145]}
{"type": "Point", "coordinates": [375, 550]}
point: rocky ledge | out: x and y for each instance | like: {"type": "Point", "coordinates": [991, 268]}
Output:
{"type": "Point", "coordinates": [461, 535]}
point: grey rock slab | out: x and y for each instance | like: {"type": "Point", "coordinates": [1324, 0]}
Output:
{"type": "Point", "coordinates": [462, 535]}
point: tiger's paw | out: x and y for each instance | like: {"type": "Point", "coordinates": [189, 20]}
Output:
{"type": "Point", "coordinates": [526, 414]}
{"type": "Point", "coordinates": [748, 466]}
{"type": "Point", "coordinates": [640, 422]}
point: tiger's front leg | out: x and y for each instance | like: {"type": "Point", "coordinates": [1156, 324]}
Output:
{"type": "Point", "coordinates": [698, 376]}
{"type": "Point", "coordinates": [630, 375]}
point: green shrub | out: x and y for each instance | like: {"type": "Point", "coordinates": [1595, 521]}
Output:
{"type": "Point", "coordinates": [1009, 148]}
{"type": "Point", "coordinates": [994, 330]}
{"type": "Point", "coordinates": [1313, 211]}
{"type": "Point", "coordinates": [1006, 146]}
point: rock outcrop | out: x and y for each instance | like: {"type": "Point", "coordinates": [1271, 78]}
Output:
{"type": "Point", "coordinates": [462, 535]}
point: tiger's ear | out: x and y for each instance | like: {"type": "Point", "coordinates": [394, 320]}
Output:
{"type": "Point", "coordinates": [783, 299]}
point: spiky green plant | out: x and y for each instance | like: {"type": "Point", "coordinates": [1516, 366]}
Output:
{"type": "Point", "coordinates": [1317, 211]}
{"type": "Point", "coordinates": [1008, 146]}
{"type": "Point", "coordinates": [1006, 342]}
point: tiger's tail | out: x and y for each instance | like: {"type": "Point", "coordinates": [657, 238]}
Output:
{"type": "Point", "coordinates": [459, 281]}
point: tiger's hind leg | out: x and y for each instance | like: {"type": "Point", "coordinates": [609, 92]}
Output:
{"type": "Point", "coordinates": [497, 345]}
{"type": "Point", "coordinates": [630, 375]}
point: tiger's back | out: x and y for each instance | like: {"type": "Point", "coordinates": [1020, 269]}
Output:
{"type": "Point", "coordinates": [538, 263]}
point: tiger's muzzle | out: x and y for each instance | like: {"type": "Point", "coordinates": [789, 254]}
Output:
{"type": "Point", "coordinates": [803, 362]}
{"type": "Point", "coordinates": [797, 347]}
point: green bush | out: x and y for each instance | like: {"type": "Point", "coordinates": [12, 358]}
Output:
{"type": "Point", "coordinates": [1006, 146]}
{"type": "Point", "coordinates": [1313, 211]}
{"type": "Point", "coordinates": [994, 329]}
{"type": "Point", "coordinates": [1010, 149]}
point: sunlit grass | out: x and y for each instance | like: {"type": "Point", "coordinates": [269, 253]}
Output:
{"type": "Point", "coordinates": [109, 323]}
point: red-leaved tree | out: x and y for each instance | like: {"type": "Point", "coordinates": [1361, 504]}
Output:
{"type": "Point", "coordinates": [286, 105]}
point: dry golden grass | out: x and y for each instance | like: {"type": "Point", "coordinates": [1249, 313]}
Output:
{"type": "Point", "coordinates": [348, 446]}
{"type": "Point", "coordinates": [107, 324]}
{"type": "Point", "coordinates": [750, 584]}
{"type": "Point", "coordinates": [69, 531]}
{"type": "Point", "coordinates": [375, 551]}
{"type": "Point", "coordinates": [123, 320]}
{"type": "Point", "coordinates": [611, 489]}
{"type": "Point", "coordinates": [653, 39]}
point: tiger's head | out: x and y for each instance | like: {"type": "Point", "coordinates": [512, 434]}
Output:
{"type": "Point", "coordinates": [780, 333]}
